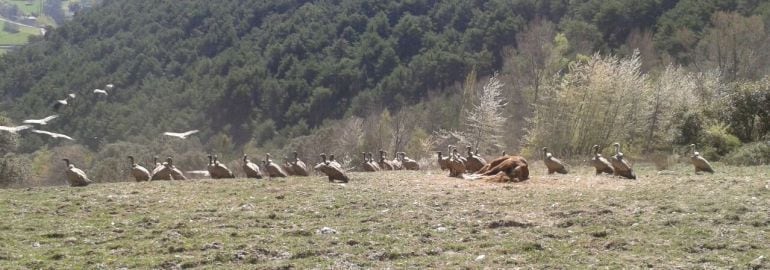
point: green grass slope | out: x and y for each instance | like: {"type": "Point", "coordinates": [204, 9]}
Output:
{"type": "Point", "coordinates": [27, 7]}
{"type": "Point", "coordinates": [21, 37]}
{"type": "Point", "coordinates": [396, 220]}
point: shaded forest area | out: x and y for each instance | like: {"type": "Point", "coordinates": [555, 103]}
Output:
{"type": "Point", "coordinates": [346, 76]}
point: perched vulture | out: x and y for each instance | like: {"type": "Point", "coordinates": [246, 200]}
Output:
{"type": "Point", "coordinates": [474, 162]}
{"type": "Point", "coordinates": [385, 165]}
{"type": "Point", "coordinates": [221, 170]}
{"type": "Point", "coordinates": [373, 162]}
{"type": "Point", "coordinates": [332, 171]}
{"type": "Point", "coordinates": [700, 163]}
{"type": "Point", "coordinates": [396, 162]}
{"type": "Point", "coordinates": [158, 167]}
{"type": "Point", "coordinates": [442, 161]}
{"type": "Point", "coordinates": [250, 169]}
{"type": "Point", "coordinates": [456, 164]}
{"type": "Point", "coordinates": [286, 167]}
{"type": "Point", "coordinates": [366, 165]}
{"type": "Point", "coordinates": [272, 169]}
{"type": "Point", "coordinates": [409, 164]}
{"type": "Point", "coordinates": [138, 172]}
{"type": "Point", "coordinates": [175, 173]}
{"type": "Point", "coordinates": [621, 166]}
{"type": "Point", "coordinates": [298, 166]}
{"type": "Point", "coordinates": [553, 164]}
{"type": "Point", "coordinates": [76, 177]}
{"type": "Point", "coordinates": [601, 164]}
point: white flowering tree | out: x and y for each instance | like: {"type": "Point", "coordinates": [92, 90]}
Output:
{"type": "Point", "coordinates": [608, 99]}
{"type": "Point", "coordinates": [485, 119]}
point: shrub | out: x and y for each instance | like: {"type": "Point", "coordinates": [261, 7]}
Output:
{"type": "Point", "coordinates": [663, 160]}
{"type": "Point", "coordinates": [14, 169]}
{"type": "Point", "coordinates": [689, 127]}
{"type": "Point", "coordinates": [756, 153]}
{"type": "Point", "coordinates": [111, 162]}
{"type": "Point", "coordinates": [748, 109]}
{"type": "Point", "coordinates": [10, 28]}
{"type": "Point", "coordinates": [717, 142]}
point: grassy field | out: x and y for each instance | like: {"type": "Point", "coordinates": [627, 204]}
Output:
{"type": "Point", "coordinates": [24, 33]}
{"type": "Point", "coordinates": [29, 7]}
{"type": "Point", "coordinates": [671, 219]}
{"type": "Point", "coordinates": [17, 38]}
{"type": "Point", "coordinates": [26, 6]}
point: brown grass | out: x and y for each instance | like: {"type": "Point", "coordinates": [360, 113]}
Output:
{"type": "Point", "coordinates": [400, 219]}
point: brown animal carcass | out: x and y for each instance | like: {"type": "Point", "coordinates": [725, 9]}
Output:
{"type": "Point", "coordinates": [514, 168]}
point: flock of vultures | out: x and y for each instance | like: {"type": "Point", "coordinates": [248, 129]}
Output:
{"type": "Point", "coordinates": [471, 166]}
{"type": "Point", "coordinates": [506, 168]}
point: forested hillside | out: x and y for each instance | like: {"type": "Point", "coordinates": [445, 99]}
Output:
{"type": "Point", "coordinates": [263, 73]}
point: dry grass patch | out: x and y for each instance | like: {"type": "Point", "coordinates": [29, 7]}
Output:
{"type": "Point", "coordinates": [396, 219]}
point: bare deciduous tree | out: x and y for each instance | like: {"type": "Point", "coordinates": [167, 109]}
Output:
{"type": "Point", "coordinates": [468, 90]}
{"type": "Point", "coordinates": [672, 91]}
{"type": "Point", "coordinates": [642, 40]}
{"type": "Point", "coordinates": [539, 54]}
{"type": "Point", "coordinates": [736, 45]}
{"type": "Point", "coordinates": [533, 54]}
{"type": "Point", "coordinates": [400, 128]}
{"type": "Point", "coordinates": [485, 119]}
{"type": "Point", "coordinates": [351, 134]}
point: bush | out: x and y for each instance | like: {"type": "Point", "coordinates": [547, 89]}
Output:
{"type": "Point", "coordinates": [689, 127]}
{"type": "Point", "coordinates": [10, 28]}
{"type": "Point", "coordinates": [9, 142]}
{"type": "Point", "coordinates": [111, 162]}
{"type": "Point", "coordinates": [717, 142]}
{"type": "Point", "coordinates": [663, 160]}
{"type": "Point", "coordinates": [756, 153]}
{"type": "Point", "coordinates": [748, 110]}
{"type": "Point", "coordinates": [13, 170]}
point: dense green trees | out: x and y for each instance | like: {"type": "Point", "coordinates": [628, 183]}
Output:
{"type": "Point", "coordinates": [232, 66]}
{"type": "Point", "coordinates": [264, 72]}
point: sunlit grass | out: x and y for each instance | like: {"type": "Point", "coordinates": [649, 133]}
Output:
{"type": "Point", "coordinates": [17, 38]}
{"type": "Point", "coordinates": [26, 6]}
{"type": "Point", "coordinates": [398, 220]}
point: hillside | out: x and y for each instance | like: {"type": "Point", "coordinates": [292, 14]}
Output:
{"type": "Point", "coordinates": [31, 17]}
{"type": "Point", "coordinates": [243, 68]}
{"type": "Point", "coordinates": [285, 75]}
{"type": "Point", "coordinates": [396, 220]}
{"type": "Point", "coordinates": [243, 73]}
